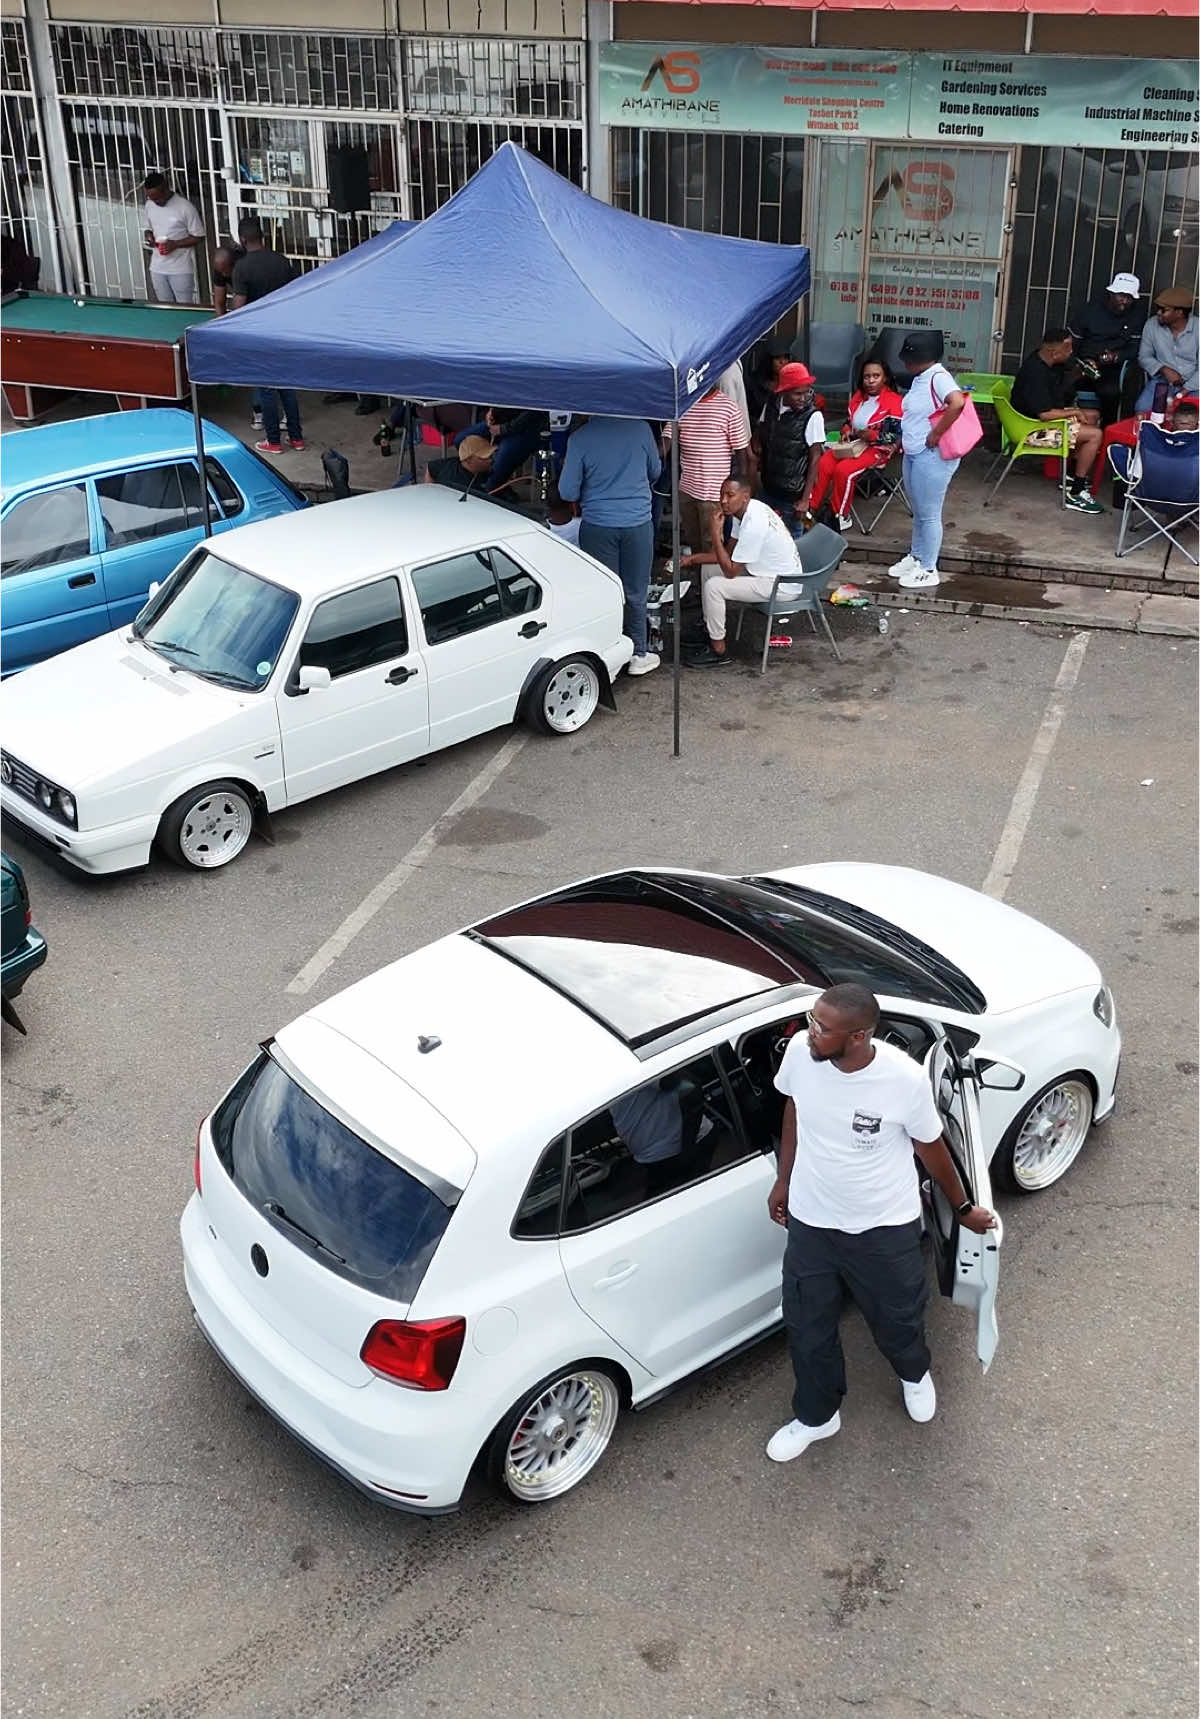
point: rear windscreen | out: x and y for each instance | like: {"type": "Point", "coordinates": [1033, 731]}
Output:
{"type": "Point", "coordinates": [324, 1187]}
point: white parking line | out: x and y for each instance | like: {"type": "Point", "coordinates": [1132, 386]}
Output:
{"type": "Point", "coordinates": [1004, 861]}
{"type": "Point", "coordinates": [337, 945]}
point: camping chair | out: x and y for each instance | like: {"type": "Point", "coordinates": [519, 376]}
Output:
{"type": "Point", "coordinates": [885, 481]}
{"type": "Point", "coordinates": [1162, 486]}
{"type": "Point", "coordinates": [1015, 431]}
{"type": "Point", "coordinates": [441, 422]}
{"type": "Point", "coordinates": [834, 349]}
{"type": "Point", "coordinates": [821, 551]}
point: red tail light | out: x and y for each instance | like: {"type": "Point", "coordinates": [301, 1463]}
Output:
{"type": "Point", "coordinates": [423, 1353]}
{"type": "Point", "coordinates": [196, 1166]}
{"type": "Point", "coordinates": [28, 919]}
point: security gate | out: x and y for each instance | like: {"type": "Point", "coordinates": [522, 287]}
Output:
{"type": "Point", "coordinates": [748, 187]}
{"type": "Point", "coordinates": [28, 207]}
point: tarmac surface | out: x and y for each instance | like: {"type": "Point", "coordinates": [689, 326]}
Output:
{"type": "Point", "coordinates": [170, 1553]}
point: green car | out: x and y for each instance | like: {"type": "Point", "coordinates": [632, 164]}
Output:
{"type": "Point", "coordinates": [22, 947]}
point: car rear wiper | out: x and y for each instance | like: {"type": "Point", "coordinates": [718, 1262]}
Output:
{"type": "Point", "coordinates": [276, 1211]}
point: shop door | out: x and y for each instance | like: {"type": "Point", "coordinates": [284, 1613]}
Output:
{"type": "Point", "coordinates": [937, 245]}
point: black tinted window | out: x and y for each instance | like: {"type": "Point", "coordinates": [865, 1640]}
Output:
{"type": "Point", "coordinates": [537, 1214]}
{"type": "Point", "coordinates": [223, 487]}
{"type": "Point", "coordinates": [356, 629]}
{"type": "Point", "coordinates": [153, 501]}
{"type": "Point", "coordinates": [457, 596]}
{"type": "Point", "coordinates": [324, 1187]}
{"type": "Point", "coordinates": [662, 1136]}
{"type": "Point", "coordinates": [45, 529]}
{"type": "Point", "coordinates": [519, 590]}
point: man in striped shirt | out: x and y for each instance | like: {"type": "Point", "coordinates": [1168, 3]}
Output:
{"type": "Point", "coordinates": [713, 438]}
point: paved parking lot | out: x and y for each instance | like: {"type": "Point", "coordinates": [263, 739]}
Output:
{"type": "Point", "coordinates": [171, 1554]}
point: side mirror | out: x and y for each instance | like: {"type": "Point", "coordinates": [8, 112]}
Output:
{"type": "Point", "coordinates": [155, 585]}
{"type": "Point", "coordinates": [1000, 1076]}
{"type": "Point", "coordinates": [313, 679]}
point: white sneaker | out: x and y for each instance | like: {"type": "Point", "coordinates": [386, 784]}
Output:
{"type": "Point", "coordinates": [908, 565]}
{"type": "Point", "coordinates": [845, 521]}
{"type": "Point", "coordinates": [920, 1399]}
{"type": "Point", "coordinates": [795, 1437]}
{"type": "Point", "coordinates": [645, 664]}
{"type": "Point", "coordinates": [920, 578]}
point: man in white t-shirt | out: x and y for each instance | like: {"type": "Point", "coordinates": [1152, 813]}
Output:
{"type": "Point", "coordinates": [761, 549]}
{"type": "Point", "coordinates": [848, 1195]}
{"type": "Point", "coordinates": [173, 230]}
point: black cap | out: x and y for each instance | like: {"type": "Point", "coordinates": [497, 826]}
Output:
{"type": "Point", "coordinates": [923, 345]}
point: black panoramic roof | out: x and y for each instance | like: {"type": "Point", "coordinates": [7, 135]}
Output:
{"type": "Point", "coordinates": [647, 953]}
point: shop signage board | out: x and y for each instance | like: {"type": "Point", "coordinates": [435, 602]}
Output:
{"type": "Point", "coordinates": [1035, 99]}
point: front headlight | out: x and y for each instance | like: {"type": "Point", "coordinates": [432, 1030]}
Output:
{"type": "Point", "coordinates": [45, 796]}
{"type": "Point", "coordinates": [1102, 1006]}
{"type": "Point", "coordinates": [66, 805]}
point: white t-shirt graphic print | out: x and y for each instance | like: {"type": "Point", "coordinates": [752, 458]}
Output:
{"type": "Point", "coordinates": [854, 1166]}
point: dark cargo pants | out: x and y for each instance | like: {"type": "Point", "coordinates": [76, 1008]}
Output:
{"type": "Point", "coordinates": [884, 1270]}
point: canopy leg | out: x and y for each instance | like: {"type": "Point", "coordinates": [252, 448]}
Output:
{"type": "Point", "coordinates": [198, 423]}
{"type": "Point", "coordinates": [675, 600]}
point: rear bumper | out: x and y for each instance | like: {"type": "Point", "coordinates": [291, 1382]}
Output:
{"type": "Point", "coordinates": [116, 847]}
{"type": "Point", "coordinates": [412, 1450]}
{"type": "Point", "coordinates": [22, 962]}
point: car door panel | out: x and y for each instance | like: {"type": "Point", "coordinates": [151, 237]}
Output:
{"type": "Point", "coordinates": [53, 595]}
{"type": "Point", "coordinates": [367, 719]}
{"type": "Point", "coordinates": [485, 620]}
{"type": "Point", "coordinates": [968, 1265]}
{"type": "Point", "coordinates": [679, 1282]}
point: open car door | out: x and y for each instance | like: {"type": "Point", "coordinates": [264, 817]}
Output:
{"type": "Point", "coordinates": [968, 1266]}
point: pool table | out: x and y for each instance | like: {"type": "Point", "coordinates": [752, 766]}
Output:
{"type": "Point", "coordinates": [51, 343]}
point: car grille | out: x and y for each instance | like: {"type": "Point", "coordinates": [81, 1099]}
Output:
{"type": "Point", "coordinates": [18, 776]}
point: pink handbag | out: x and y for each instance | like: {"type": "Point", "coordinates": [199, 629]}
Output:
{"type": "Point", "coordinates": [963, 433]}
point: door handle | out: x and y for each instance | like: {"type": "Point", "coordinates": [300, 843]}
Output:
{"type": "Point", "coordinates": [531, 629]}
{"type": "Point", "coordinates": [620, 1273]}
{"type": "Point", "coordinates": [399, 675]}
{"type": "Point", "coordinates": [80, 580]}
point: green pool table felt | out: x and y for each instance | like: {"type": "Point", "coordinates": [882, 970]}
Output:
{"type": "Point", "coordinates": [104, 318]}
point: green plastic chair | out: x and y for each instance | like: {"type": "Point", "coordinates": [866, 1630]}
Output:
{"type": "Point", "coordinates": [982, 384]}
{"type": "Point", "coordinates": [1015, 431]}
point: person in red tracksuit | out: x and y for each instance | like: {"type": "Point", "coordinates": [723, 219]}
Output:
{"type": "Point", "coordinates": [874, 400]}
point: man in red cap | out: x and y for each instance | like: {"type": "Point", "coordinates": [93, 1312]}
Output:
{"type": "Point", "coordinates": [788, 444]}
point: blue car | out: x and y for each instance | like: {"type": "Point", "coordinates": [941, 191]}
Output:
{"type": "Point", "coordinates": [94, 510]}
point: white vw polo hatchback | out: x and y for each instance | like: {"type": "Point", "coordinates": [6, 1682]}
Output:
{"type": "Point", "coordinates": [435, 1225]}
{"type": "Point", "coordinates": [289, 657]}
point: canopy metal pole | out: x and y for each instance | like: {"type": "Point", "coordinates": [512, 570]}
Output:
{"type": "Point", "coordinates": [198, 425]}
{"type": "Point", "coordinates": [676, 627]}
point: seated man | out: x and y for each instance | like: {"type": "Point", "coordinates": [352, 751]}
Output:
{"type": "Point", "coordinates": [1106, 331]}
{"type": "Point", "coordinates": [1169, 347]}
{"type": "Point", "coordinates": [760, 550]}
{"type": "Point", "coordinates": [651, 1123]}
{"type": "Point", "coordinates": [469, 468]}
{"type": "Point", "coordinates": [1045, 387]}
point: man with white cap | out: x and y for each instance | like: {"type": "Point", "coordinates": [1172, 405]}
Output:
{"type": "Point", "coordinates": [1106, 331]}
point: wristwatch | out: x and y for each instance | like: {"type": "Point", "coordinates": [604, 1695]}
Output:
{"type": "Point", "coordinates": [967, 1206]}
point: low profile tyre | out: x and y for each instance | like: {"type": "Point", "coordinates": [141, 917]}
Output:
{"type": "Point", "coordinates": [555, 1436]}
{"type": "Point", "coordinates": [1046, 1137]}
{"type": "Point", "coordinates": [208, 826]}
{"type": "Point", "coordinates": [565, 697]}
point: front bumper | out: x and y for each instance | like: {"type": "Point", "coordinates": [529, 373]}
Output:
{"type": "Point", "coordinates": [22, 962]}
{"type": "Point", "coordinates": [116, 847]}
{"type": "Point", "coordinates": [412, 1450]}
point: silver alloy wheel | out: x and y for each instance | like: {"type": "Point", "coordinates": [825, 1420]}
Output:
{"type": "Point", "coordinates": [561, 1436]}
{"type": "Point", "coordinates": [571, 696]}
{"type": "Point", "coordinates": [215, 828]}
{"type": "Point", "coordinates": [1052, 1134]}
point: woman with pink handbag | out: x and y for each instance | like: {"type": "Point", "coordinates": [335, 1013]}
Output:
{"type": "Point", "coordinates": [939, 426]}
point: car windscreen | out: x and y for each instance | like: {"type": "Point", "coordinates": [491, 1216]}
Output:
{"type": "Point", "coordinates": [324, 1187]}
{"type": "Point", "coordinates": [218, 621]}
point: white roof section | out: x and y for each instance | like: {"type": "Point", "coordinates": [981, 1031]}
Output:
{"type": "Point", "coordinates": [339, 543]}
{"type": "Point", "coordinates": [514, 1054]}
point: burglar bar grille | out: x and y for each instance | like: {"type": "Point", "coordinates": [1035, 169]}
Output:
{"type": "Point", "coordinates": [146, 63]}
{"type": "Point", "coordinates": [490, 79]}
{"type": "Point", "coordinates": [16, 56]}
{"type": "Point", "coordinates": [111, 146]}
{"type": "Point", "coordinates": [1084, 214]}
{"type": "Point", "coordinates": [29, 213]}
{"type": "Point", "coordinates": [748, 187]}
{"type": "Point", "coordinates": [272, 69]}
{"type": "Point", "coordinates": [443, 154]}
